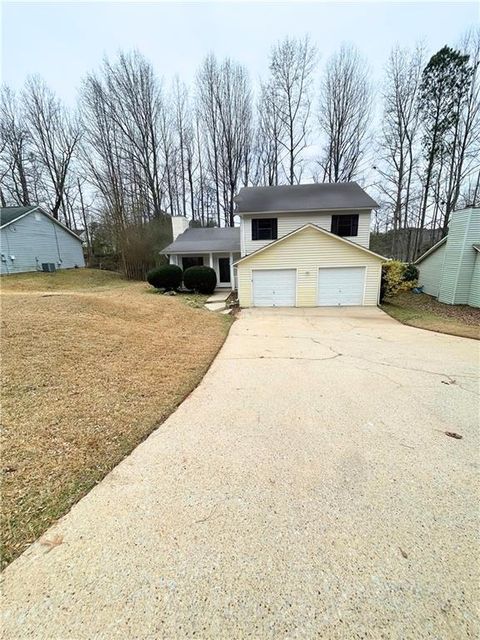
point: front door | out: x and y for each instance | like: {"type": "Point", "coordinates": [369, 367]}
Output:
{"type": "Point", "coordinates": [224, 269]}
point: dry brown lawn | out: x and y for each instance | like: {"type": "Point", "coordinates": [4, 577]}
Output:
{"type": "Point", "coordinates": [91, 365]}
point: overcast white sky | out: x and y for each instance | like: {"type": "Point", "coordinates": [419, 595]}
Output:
{"type": "Point", "coordinates": [63, 41]}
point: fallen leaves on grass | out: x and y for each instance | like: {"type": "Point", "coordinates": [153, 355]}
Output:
{"type": "Point", "coordinates": [425, 312]}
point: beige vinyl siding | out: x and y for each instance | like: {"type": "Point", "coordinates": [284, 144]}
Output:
{"type": "Point", "coordinates": [464, 230]}
{"type": "Point", "coordinates": [288, 222]}
{"type": "Point", "coordinates": [474, 297]}
{"type": "Point", "coordinates": [430, 271]}
{"type": "Point", "coordinates": [307, 251]}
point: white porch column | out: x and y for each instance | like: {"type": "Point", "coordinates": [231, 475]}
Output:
{"type": "Point", "coordinates": [211, 260]}
{"type": "Point", "coordinates": [232, 276]}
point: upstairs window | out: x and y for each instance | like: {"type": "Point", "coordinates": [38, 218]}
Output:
{"type": "Point", "coordinates": [264, 229]}
{"type": "Point", "coordinates": [345, 225]}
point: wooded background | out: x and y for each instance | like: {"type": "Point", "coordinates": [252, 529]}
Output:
{"type": "Point", "coordinates": [137, 147]}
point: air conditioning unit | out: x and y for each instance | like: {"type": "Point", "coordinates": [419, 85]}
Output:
{"type": "Point", "coordinates": [49, 267]}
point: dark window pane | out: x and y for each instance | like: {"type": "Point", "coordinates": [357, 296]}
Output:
{"type": "Point", "coordinates": [345, 225]}
{"type": "Point", "coordinates": [264, 229]}
{"type": "Point", "coordinates": [192, 261]}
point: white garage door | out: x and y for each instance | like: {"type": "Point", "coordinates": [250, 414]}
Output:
{"type": "Point", "coordinates": [274, 287]}
{"type": "Point", "coordinates": [340, 286]}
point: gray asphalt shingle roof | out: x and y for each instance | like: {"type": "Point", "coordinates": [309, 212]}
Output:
{"type": "Point", "coordinates": [304, 197]}
{"type": "Point", "coordinates": [206, 240]}
{"type": "Point", "coordinates": [9, 214]}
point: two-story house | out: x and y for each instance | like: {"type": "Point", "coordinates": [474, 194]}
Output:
{"type": "Point", "coordinates": [300, 245]}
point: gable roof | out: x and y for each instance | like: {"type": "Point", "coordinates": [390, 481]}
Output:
{"type": "Point", "coordinates": [8, 215]}
{"type": "Point", "coordinates": [317, 228]}
{"type": "Point", "coordinates": [198, 240]}
{"type": "Point", "coordinates": [303, 197]}
{"type": "Point", "coordinates": [436, 246]}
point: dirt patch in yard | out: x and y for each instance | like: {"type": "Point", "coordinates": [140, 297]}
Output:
{"type": "Point", "coordinates": [425, 312]}
{"type": "Point", "coordinates": [89, 370]}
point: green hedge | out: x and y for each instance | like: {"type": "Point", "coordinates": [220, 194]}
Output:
{"type": "Point", "coordinates": [200, 279]}
{"type": "Point", "coordinates": [168, 277]}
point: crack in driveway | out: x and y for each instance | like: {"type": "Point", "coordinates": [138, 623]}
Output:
{"type": "Point", "coordinates": [451, 378]}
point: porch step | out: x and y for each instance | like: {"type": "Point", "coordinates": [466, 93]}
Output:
{"type": "Point", "coordinates": [219, 296]}
{"type": "Point", "coordinates": [215, 306]}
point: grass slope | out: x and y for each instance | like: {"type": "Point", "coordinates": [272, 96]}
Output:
{"type": "Point", "coordinates": [425, 312]}
{"type": "Point", "coordinates": [91, 365]}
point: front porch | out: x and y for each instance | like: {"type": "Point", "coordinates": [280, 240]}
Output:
{"type": "Point", "coordinates": [220, 262]}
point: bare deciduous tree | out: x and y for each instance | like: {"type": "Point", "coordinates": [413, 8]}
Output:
{"type": "Point", "coordinates": [233, 97]}
{"type": "Point", "coordinates": [292, 63]}
{"type": "Point", "coordinates": [54, 137]}
{"type": "Point", "coordinates": [270, 130]}
{"type": "Point", "coordinates": [14, 152]}
{"type": "Point", "coordinates": [345, 100]}
{"type": "Point", "coordinates": [183, 135]}
{"type": "Point", "coordinates": [133, 100]}
{"type": "Point", "coordinates": [400, 129]}
{"type": "Point", "coordinates": [224, 109]}
{"type": "Point", "coordinates": [207, 110]}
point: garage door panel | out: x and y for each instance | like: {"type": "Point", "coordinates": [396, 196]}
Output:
{"type": "Point", "coordinates": [341, 286]}
{"type": "Point", "coordinates": [274, 287]}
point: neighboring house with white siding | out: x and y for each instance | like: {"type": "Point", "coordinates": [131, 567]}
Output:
{"type": "Point", "coordinates": [450, 270]}
{"type": "Point", "coordinates": [31, 238]}
{"type": "Point", "coordinates": [297, 245]}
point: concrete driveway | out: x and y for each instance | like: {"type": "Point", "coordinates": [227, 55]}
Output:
{"type": "Point", "coordinates": [306, 489]}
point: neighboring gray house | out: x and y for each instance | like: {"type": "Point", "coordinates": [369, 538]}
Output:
{"type": "Point", "coordinates": [30, 238]}
{"type": "Point", "coordinates": [450, 270]}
